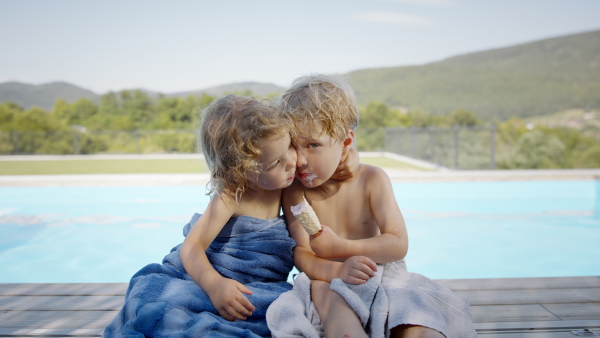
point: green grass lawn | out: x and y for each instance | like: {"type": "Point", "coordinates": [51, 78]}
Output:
{"type": "Point", "coordinates": [63, 167]}
{"type": "Point", "coordinates": [60, 167]}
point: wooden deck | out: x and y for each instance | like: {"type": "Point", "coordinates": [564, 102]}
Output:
{"type": "Point", "coordinates": [519, 307]}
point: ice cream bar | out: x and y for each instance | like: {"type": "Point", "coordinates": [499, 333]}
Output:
{"type": "Point", "coordinates": [306, 216]}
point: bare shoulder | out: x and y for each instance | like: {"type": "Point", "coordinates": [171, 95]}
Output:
{"type": "Point", "coordinates": [371, 174]}
{"type": "Point", "coordinates": [223, 203]}
{"type": "Point", "coordinates": [293, 194]}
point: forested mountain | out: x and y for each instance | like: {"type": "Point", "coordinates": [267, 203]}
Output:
{"type": "Point", "coordinates": [256, 88]}
{"type": "Point", "coordinates": [530, 79]}
{"type": "Point", "coordinates": [45, 95]}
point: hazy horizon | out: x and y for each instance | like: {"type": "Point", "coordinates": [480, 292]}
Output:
{"type": "Point", "coordinates": [192, 45]}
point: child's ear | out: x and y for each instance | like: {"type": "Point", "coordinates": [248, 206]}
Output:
{"type": "Point", "coordinates": [349, 140]}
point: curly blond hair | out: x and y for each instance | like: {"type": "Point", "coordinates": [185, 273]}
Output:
{"type": "Point", "coordinates": [327, 103]}
{"type": "Point", "coordinates": [229, 134]}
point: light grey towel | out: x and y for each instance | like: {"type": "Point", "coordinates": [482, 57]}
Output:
{"type": "Point", "coordinates": [393, 297]}
{"type": "Point", "coordinates": [417, 300]}
{"type": "Point", "coordinates": [359, 296]}
{"type": "Point", "coordinates": [293, 314]}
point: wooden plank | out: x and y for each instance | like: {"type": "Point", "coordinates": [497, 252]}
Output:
{"type": "Point", "coordinates": [32, 320]}
{"type": "Point", "coordinates": [41, 333]}
{"type": "Point", "coordinates": [510, 313]}
{"type": "Point", "coordinates": [538, 325]}
{"type": "Point", "coordinates": [508, 307]}
{"type": "Point", "coordinates": [521, 283]}
{"type": "Point", "coordinates": [568, 311]}
{"type": "Point", "coordinates": [63, 289]}
{"type": "Point", "coordinates": [554, 296]}
{"type": "Point", "coordinates": [60, 303]}
{"type": "Point", "coordinates": [55, 289]}
{"type": "Point", "coordinates": [563, 334]}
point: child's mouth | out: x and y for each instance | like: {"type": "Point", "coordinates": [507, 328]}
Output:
{"type": "Point", "coordinates": [308, 177]}
{"type": "Point", "coordinates": [302, 175]}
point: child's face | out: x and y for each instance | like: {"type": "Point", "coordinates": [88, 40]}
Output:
{"type": "Point", "coordinates": [318, 156]}
{"type": "Point", "coordinates": [277, 163]}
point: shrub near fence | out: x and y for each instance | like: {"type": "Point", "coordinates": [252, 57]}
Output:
{"type": "Point", "coordinates": [78, 142]}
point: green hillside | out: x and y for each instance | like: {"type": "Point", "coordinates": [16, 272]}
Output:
{"type": "Point", "coordinates": [530, 79]}
{"type": "Point", "coordinates": [525, 80]}
{"type": "Point", "coordinates": [42, 96]}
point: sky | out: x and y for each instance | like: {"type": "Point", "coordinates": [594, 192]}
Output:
{"type": "Point", "coordinates": [180, 45]}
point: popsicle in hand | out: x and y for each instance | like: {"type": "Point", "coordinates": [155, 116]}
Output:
{"type": "Point", "coordinates": [306, 216]}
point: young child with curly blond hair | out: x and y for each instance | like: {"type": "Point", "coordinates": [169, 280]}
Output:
{"type": "Point", "coordinates": [357, 279]}
{"type": "Point", "coordinates": [249, 153]}
{"type": "Point", "coordinates": [237, 255]}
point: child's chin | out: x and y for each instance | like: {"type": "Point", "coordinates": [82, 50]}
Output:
{"type": "Point", "coordinates": [308, 183]}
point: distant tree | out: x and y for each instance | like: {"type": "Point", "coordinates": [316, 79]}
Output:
{"type": "Point", "coordinates": [138, 106]}
{"type": "Point", "coordinates": [202, 102]}
{"type": "Point", "coordinates": [173, 113]}
{"type": "Point", "coordinates": [377, 114]}
{"type": "Point", "coordinates": [464, 118]}
{"type": "Point", "coordinates": [39, 132]}
{"type": "Point", "coordinates": [8, 113]}
{"type": "Point", "coordinates": [538, 150]}
{"type": "Point", "coordinates": [121, 123]}
{"type": "Point", "coordinates": [37, 119]}
{"type": "Point", "coordinates": [179, 113]}
{"type": "Point", "coordinates": [420, 119]}
{"type": "Point", "coordinates": [107, 123]}
{"type": "Point", "coordinates": [580, 147]}
{"type": "Point", "coordinates": [588, 158]}
{"type": "Point", "coordinates": [109, 104]}
{"type": "Point", "coordinates": [84, 109]}
{"type": "Point", "coordinates": [63, 111]}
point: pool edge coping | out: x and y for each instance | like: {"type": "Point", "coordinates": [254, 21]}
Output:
{"type": "Point", "coordinates": [396, 176]}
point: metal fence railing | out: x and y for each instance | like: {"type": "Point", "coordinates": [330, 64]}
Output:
{"type": "Point", "coordinates": [456, 147]}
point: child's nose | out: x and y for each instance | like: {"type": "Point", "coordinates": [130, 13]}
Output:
{"type": "Point", "coordinates": [301, 161]}
{"type": "Point", "coordinates": [293, 158]}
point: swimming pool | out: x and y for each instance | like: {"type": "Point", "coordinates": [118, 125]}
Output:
{"type": "Point", "coordinates": [456, 229]}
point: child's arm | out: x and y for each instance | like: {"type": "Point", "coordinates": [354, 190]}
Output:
{"type": "Point", "coordinates": [355, 270]}
{"type": "Point", "coordinates": [391, 245]}
{"type": "Point", "coordinates": [227, 295]}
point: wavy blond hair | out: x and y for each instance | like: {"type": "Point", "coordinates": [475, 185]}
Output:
{"type": "Point", "coordinates": [229, 134]}
{"type": "Point", "coordinates": [327, 103]}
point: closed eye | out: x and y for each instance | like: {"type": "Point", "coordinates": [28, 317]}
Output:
{"type": "Point", "coordinates": [273, 165]}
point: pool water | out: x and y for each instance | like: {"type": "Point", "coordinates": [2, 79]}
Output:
{"type": "Point", "coordinates": [456, 229]}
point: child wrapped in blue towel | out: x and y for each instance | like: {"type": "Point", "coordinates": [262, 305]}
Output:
{"type": "Point", "coordinates": [237, 255]}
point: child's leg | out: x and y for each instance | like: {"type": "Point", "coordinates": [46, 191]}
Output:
{"type": "Point", "coordinates": [413, 331]}
{"type": "Point", "coordinates": [337, 317]}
